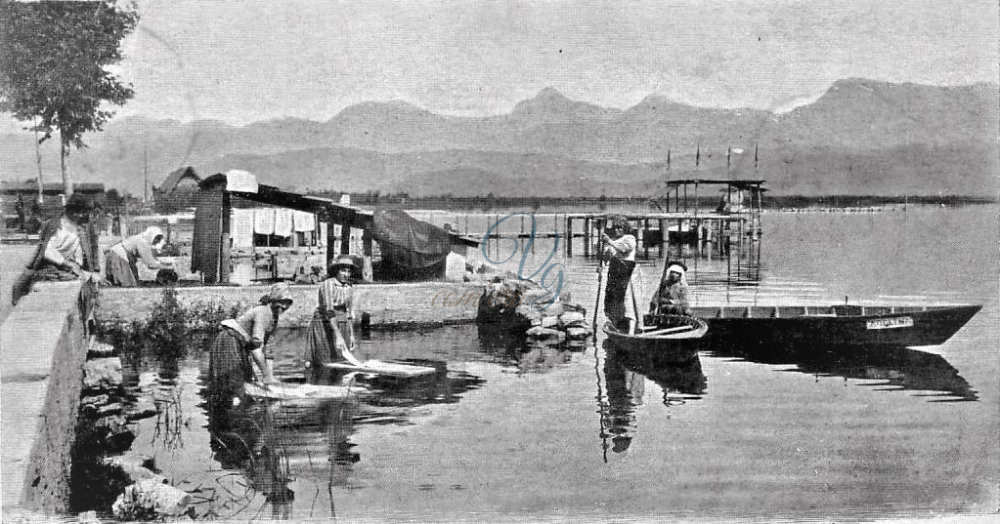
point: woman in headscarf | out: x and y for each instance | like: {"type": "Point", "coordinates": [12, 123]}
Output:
{"type": "Point", "coordinates": [619, 249]}
{"type": "Point", "coordinates": [243, 340]}
{"type": "Point", "coordinates": [331, 332]}
{"type": "Point", "coordinates": [120, 262]}
{"type": "Point", "coordinates": [66, 248]}
{"type": "Point", "coordinates": [672, 296]}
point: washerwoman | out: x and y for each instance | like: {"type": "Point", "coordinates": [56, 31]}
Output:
{"type": "Point", "coordinates": [120, 265]}
{"type": "Point", "coordinates": [243, 344]}
{"type": "Point", "coordinates": [331, 332]}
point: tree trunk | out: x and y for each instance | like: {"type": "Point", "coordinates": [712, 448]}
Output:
{"type": "Point", "coordinates": [38, 160]}
{"type": "Point", "coordinates": [63, 153]}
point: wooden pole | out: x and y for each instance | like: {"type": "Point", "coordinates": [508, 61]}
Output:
{"type": "Point", "coordinates": [367, 242]}
{"type": "Point", "coordinates": [331, 237]}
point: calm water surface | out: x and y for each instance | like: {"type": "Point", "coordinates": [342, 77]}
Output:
{"type": "Point", "coordinates": [509, 432]}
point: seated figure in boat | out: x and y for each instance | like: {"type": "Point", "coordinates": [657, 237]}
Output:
{"type": "Point", "coordinates": [672, 296]}
{"type": "Point", "coordinates": [619, 250]}
{"type": "Point", "coordinates": [243, 340]}
{"type": "Point", "coordinates": [331, 332]}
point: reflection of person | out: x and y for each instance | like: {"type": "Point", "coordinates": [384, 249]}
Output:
{"type": "Point", "coordinates": [66, 248]}
{"type": "Point", "coordinates": [625, 390]}
{"type": "Point", "coordinates": [331, 332]}
{"type": "Point", "coordinates": [672, 296]}
{"type": "Point", "coordinates": [243, 339]}
{"type": "Point", "coordinates": [619, 250]}
{"type": "Point", "coordinates": [120, 263]}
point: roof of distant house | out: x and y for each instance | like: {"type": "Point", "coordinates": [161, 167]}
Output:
{"type": "Point", "coordinates": [170, 183]}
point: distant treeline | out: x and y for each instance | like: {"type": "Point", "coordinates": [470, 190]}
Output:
{"type": "Point", "coordinates": [491, 201]}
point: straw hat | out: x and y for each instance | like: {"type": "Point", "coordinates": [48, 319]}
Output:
{"type": "Point", "coordinates": [342, 261]}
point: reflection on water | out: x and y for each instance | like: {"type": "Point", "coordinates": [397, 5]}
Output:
{"type": "Point", "coordinates": [624, 376]}
{"type": "Point", "coordinates": [888, 368]}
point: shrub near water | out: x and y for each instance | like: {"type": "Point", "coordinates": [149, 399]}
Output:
{"type": "Point", "coordinates": [168, 328]}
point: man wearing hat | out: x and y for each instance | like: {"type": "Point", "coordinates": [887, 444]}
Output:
{"type": "Point", "coordinates": [331, 332]}
{"type": "Point", "coordinates": [672, 297]}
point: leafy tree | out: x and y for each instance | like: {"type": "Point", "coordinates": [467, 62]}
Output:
{"type": "Point", "coordinates": [53, 57]}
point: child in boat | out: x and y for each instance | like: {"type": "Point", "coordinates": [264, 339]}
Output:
{"type": "Point", "coordinates": [244, 339]}
{"type": "Point", "coordinates": [672, 296]}
{"type": "Point", "coordinates": [331, 332]}
{"type": "Point", "coordinates": [619, 249]}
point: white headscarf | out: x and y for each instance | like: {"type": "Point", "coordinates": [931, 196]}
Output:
{"type": "Point", "coordinates": [679, 269]}
{"type": "Point", "coordinates": [150, 234]}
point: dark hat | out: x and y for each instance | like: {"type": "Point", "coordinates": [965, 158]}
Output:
{"type": "Point", "coordinates": [342, 261]}
{"type": "Point", "coordinates": [77, 203]}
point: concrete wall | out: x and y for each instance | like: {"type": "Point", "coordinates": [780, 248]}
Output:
{"type": "Point", "coordinates": [42, 350]}
{"type": "Point", "coordinates": [389, 305]}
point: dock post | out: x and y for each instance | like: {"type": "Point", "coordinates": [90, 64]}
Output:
{"type": "Point", "coordinates": [569, 236]}
{"type": "Point", "coordinates": [586, 236]}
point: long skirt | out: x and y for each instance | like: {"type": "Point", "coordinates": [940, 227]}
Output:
{"type": "Point", "coordinates": [228, 368]}
{"type": "Point", "coordinates": [322, 344]}
{"type": "Point", "coordinates": [619, 275]}
{"type": "Point", "coordinates": [119, 272]}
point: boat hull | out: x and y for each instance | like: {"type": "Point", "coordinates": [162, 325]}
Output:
{"type": "Point", "coordinates": [834, 326]}
{"type": "Point", "coordinates": [669, 347]}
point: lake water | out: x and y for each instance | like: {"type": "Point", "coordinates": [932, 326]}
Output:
{"type": "Point", "coordinates": [511, 433]}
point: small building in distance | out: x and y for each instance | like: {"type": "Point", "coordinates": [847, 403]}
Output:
{"type": "Point", "coordinates": [178, 192]}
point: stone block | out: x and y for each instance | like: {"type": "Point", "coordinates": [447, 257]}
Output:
{"type": "Point", "coordinates": [150, 500]}
{"type": "Point", "coordinates": [102, 374]}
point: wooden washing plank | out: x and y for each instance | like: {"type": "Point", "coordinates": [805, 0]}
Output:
{"type": "Point", "coordinates": [388, 369]}
{"type": "Point", "coordinates": [298, 391]}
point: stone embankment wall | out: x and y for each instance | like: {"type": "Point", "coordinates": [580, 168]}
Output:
{"type": "Point", "coordinates": [425, 303]}
{"type": "Point", "coordinates": [43, 345]}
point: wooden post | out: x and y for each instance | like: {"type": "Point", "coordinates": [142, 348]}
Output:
{"type": "Point", "coordinates": [331, 237]}
{"type": "Point", "coordinates": [225, 259]}
{"type": "Point", "coordinates": [569, 236]}
{"type": "Point", "coordinates": [367, 242]}
{"type": "Point", "coordinates": [663, 235]}
{"type": "Point", "coordinates": [586, 236]}
{"type": "Point", "coordinates": [345, 239]}
{"type": "Point", "coordinates": [645, 245]}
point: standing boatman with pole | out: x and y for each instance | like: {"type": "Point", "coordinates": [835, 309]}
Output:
{"type": "Point", "coordinates": [619, 250]}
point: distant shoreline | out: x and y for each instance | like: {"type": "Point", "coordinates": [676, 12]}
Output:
{"type": "Point", "coordinates": [771, 203]}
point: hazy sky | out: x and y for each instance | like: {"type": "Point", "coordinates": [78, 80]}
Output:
{"type": "Point", "coordinates": [240, 61]}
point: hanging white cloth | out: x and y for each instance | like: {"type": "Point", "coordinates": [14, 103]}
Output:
{"type": "Point", "coordinates": [241, 228]}
{"type": "Point", "coordinates": [304, 222]}
{"type": "Point", "coordinates": [263, 221]}
{"type": "Point", "coordinates": [239, 180]}
{"type": "Point", "coordinates": [283, 222]}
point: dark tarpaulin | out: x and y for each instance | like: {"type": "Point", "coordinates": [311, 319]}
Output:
{"type": "Point", "coordinates": [408, 243]}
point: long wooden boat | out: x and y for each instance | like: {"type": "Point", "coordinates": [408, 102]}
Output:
{"type": "Point", "coordinates": [671, 338]}
{"type": "Point", "coordinates": [834, 326]}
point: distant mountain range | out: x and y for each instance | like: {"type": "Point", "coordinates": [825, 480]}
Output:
{"type": "Point", "coordinates": [860, 137]}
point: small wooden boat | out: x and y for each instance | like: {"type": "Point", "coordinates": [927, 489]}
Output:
{"type": "Point", "coordinates": [833, 326]}
{"type": "Point", "coordinates": [670, 338]}
{"type": "Point", "coordinates": [387, 369]}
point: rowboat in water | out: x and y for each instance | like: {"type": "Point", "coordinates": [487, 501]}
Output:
{"type": "Point", "coordinates": [833, 326]}
{"type": "Point", "coordinates": [670, 338]}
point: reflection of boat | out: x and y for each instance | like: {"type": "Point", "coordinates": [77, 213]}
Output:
{"type": "Point", "coordinates": [684, 378]}
{"type": "Point", "coordinates": [888, 367]}
{"type": "Point", "coordinates": [844, 325]}
{"type": "Point", "coordinates": [673, 338]}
